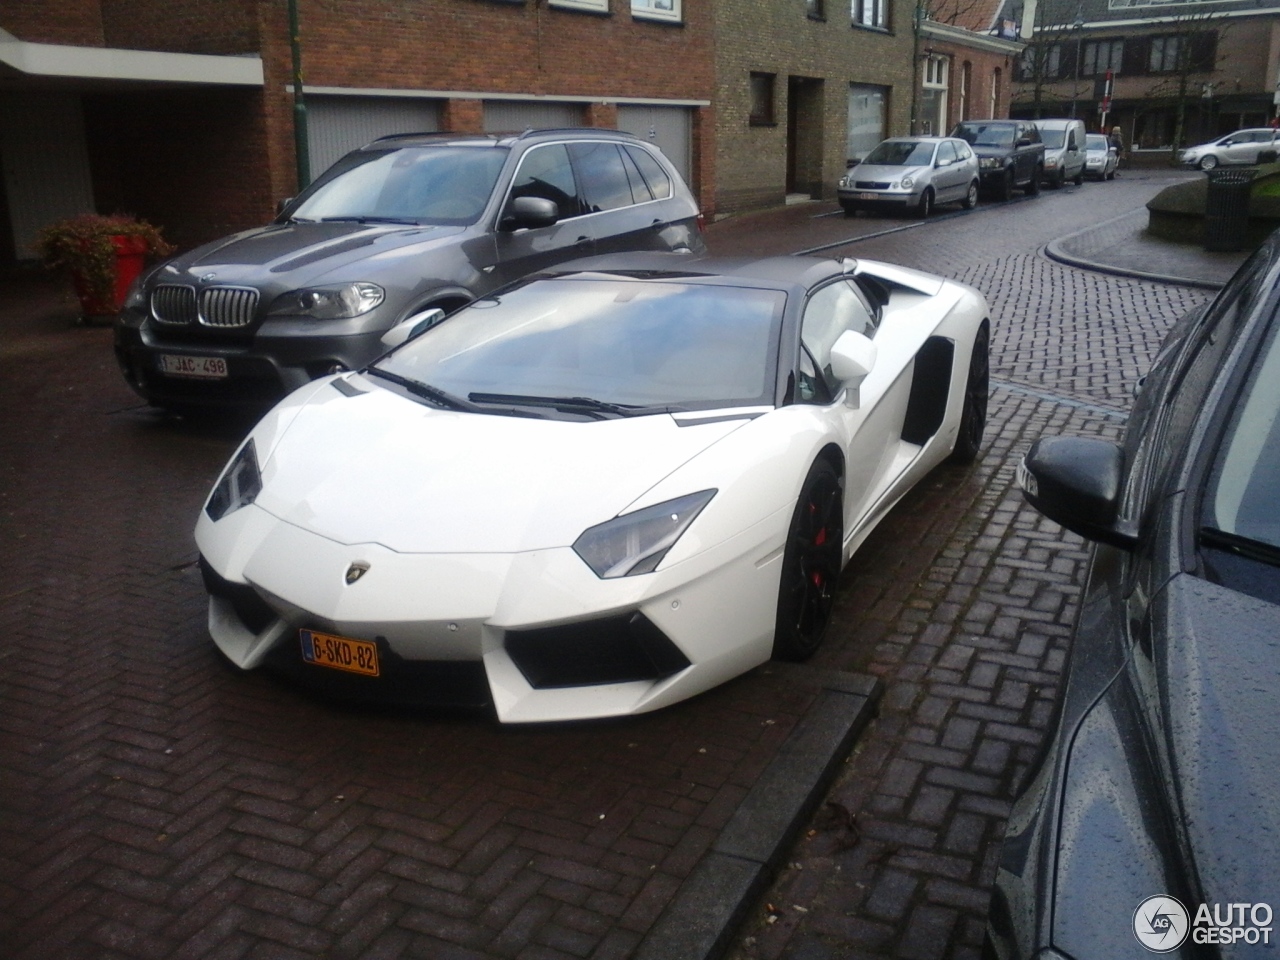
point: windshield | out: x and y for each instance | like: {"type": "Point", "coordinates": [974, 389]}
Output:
{"type": "Point", "coordinates": [439, 185]}
{"type": "Point", "coordinates": [985, 135]}
{"type": "Point", "coordinates": [1053, 139]}
{"type": "Point", "coordinates": [1244, 492]}
{"type": "Point", "coordinates": [901, 153]}
{"type": "Point", "coordinates": [633, 344]}
{"type": "Point", "coordinates": [1096, 141]}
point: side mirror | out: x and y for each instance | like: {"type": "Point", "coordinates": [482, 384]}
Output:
{"type": "Point", "coordinates": [1077, 482]}
{"type": "Point", "coordinates": [406, 330]}
{"type": "Point", "coordinates": [526, 212]}
{"type": "Point", "coordinates": [283, 205]}
{"type": "Point", "coordinates": [1023, 142]}
{"type": "Point", "coordinates": [852, 358]}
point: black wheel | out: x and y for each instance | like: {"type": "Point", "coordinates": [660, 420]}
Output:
{"type": "Point", "coordinates": [1208, 163]}
{"type": "Point", "coordinates": [973, 418]}
{"type": "Point", "coordinates": [971, 198]}
{"type": "Point", "coordinates": [1079, 179]}
{"type": "Point", "coordinates": [810, 565]}
{"type": "Point", "coordinates": [1006, 186]}
{"type": "Point", "coordinates": [926, 203]}
{"type": "Point", "coordinates": [1059, 181]}
{"type": "Point", "coordinates": [1032, 189]}
{"type": "Point", "coordinates": [850, 208]}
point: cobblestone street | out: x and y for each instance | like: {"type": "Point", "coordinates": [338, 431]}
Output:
{"type": "Point", "coordinates": [155, 804]}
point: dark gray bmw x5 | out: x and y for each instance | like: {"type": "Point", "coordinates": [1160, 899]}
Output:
{"type": "Point", "coordinates": [390, 234]}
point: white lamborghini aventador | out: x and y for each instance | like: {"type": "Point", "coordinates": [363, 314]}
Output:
{"type": "Point", "coordinates": [599, 491]}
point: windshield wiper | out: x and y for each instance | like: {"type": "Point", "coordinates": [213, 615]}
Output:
{"type": "Point", "coordinates": [565, 404]}
{"type": "Point", "coordinates": [427, 392]}
{"type": "Point", "coordinates": [1256, 550]}
{"type": "Point", "coordinates": [408, 221]}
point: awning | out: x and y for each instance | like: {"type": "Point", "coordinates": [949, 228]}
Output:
{"type": "Point", "coordinates": [52, 66]}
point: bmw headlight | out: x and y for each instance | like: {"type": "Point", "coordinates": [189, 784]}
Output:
{"type": "Point", "coordinates": [988, 163]}
{"type": "Point", "coordinates": [636, 542]}
{"type": "Point", "coordinates": [238, 486]}
{"type": "Point", "coordinates": [339, 301]}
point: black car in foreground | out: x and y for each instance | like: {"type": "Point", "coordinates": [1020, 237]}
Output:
{"type": "Point", "coordinates": [1152, 824]}
{"type": "Point", "coordinates": [398, 232]}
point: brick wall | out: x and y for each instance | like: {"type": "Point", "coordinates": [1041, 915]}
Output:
{"type": "Point", "coordinates": [189, 26]}
{"type": "Point", "coordinates": [75, 22]}
{"type": "Point", "coordinates": [778, 38]}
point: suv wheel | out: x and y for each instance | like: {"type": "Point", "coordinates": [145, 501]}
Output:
{"type": "Point", "coordinates": [1006, 186]}
{"type": "Point", "coordinates": [1033, 188]}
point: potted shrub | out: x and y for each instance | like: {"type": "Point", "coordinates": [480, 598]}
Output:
{"type": "Point", "coordinates": [103, 255]}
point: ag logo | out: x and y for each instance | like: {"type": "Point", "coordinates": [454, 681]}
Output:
{"type": "Point", "coordinates": [1160, 923]}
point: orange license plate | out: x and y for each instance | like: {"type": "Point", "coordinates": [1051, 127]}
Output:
{"type": "Point", "coordinates": [339, 653]}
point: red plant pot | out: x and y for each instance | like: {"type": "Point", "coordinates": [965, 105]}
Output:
{"type": "Point", "coordinates": [131, 253]}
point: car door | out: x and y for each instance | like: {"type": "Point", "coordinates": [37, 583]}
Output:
{"type": "Point", "coordinates": [947, 174]}
{"type": "Point", "coordinates": [872, 429]}
{"type": "Point", "coordinates": [545, 171]}
{"type": "Point", "coordinates": [610, 184]}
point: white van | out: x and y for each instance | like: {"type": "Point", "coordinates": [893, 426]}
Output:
{"type": "Point", "coordinates": [1064, 151]}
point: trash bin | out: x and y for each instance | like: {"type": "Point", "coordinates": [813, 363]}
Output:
{"type": "Point", "coordinates": [1226, 210]}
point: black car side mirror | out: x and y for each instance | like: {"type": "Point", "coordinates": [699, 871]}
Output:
{"type": "Point", "coordinates": [1077, 482]}
{"type": "Point", "coordinates": [526, 212]}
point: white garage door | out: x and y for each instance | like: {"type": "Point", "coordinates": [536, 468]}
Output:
{"type": "Point", "coordinates": [338, 125]}
{"type": "Point", "coordinates": [513, 116]}
{"type": "Point", "coordinates": [670, 128]}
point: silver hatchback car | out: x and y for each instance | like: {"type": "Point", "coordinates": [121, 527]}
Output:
{"type": "Point", "coordinates": [912, 173]}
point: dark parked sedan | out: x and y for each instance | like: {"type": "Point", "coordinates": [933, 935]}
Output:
{"type": "Point", "coordinates": [403, 229]}
{"type": "Point", "coordinates": [1153, 821]}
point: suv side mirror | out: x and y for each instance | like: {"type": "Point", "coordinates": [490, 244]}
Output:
{"type": "Point", "coordinates": [283, 205]}
{"type": "Point", "coordinates": [527, 212]}
{"type": "Point", "coordinates": [1023, 142]}
{"type": "Point", "coordinates": [1077, 482]}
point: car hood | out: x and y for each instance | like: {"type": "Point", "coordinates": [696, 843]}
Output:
{"type": "Point", "coordinates": [1222, 671]}
{"type": "Point", "coordinates": [297, 251]}
{"type": "Point", "coordinates": [986, 151]}
{"type": "Point", "coordinates": [379, 468]}
{"type": "Point", "coordinates": [877, 171]}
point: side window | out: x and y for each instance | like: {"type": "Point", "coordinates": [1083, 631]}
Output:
{"type": "Point", "coordinates": [830, 311]}
{"type": "Point", "coordinates": [605, 185]}
{"type": "Point", "coordinates": [545, 172]}
{"type": "Point", "coordinates": [946, 154]}
{"type": "Point", "coordinates": [651, 170]}
{"type": "Point", "coordinates": [639, 189]}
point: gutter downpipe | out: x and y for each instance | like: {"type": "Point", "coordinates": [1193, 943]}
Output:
{"type": "Point", "coordinates": [301, 150]}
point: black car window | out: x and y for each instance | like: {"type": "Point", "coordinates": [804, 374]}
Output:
{"type": "Point", "coordinates": [657, 178]}
{"type": "Point", "coordinates": [605, 185]}
{"type": "Point", "coordinates": [639, 189]}
{"type": "Point", "coordinates": [545, 172]}
{"type": "Point", "coordinates": [831, 311]}
{"type": "Point", "coordinates": [1199, 366]}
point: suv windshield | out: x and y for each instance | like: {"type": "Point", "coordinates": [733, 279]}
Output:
{"type": "Point", "coordinates": [901, 153]}
{"type": "Point", "coordinates": [985, 135]}
{"type": "Point", "coordinates": [610, 345]}
{"type": "Point", "coordinates": [438, 185]}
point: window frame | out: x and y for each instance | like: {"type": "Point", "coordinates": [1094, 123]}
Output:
{"type": "Point", "coordinates": [769, 117]}
{"type": "Point", "coordinates": [870, 14]}
{"type": "Point", "coordinates": [581, 6]}
{"type": "Point", "coordinates": [647, 10]}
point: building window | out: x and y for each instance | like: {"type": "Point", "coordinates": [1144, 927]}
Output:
{"type": "Point", "coordinates": [994, 110]}
{"type": "Point", "coordinates": [656, 9]}
{"type": "Point", "coordinates": [966, 79]}
{"type": "Point", "coordinates": [591, 6]}
{"type": "Point", "coordinates": [1164, 54]}
{"type": "Point", "coordinates": [815, 9]}
{"type": "Point", "coordinates": [933, 96]}
{"type": "Point", "coordinates": [762, 99]}
{"type": "Point", "coordinates": [1101, 56]}
{"type": "Point", "coordinates": [1041, 61]}
{"type": "Point", "coordinates": [871, 13]}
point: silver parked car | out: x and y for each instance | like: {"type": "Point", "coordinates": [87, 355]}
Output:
{"type": "Point", "coordinates": [1235, 149]}
{"type": "Point", "coordinates": [393, 236]}
{"type": "Point", "coordinates": [1101, 158]}
{"type": "Point", "coordinates": [912, 173]}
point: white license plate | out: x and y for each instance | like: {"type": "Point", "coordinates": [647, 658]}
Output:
{"type": "Point", "coordinates": [206, 368]}
{"type": "Point", "coordinates": [868, 196]}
